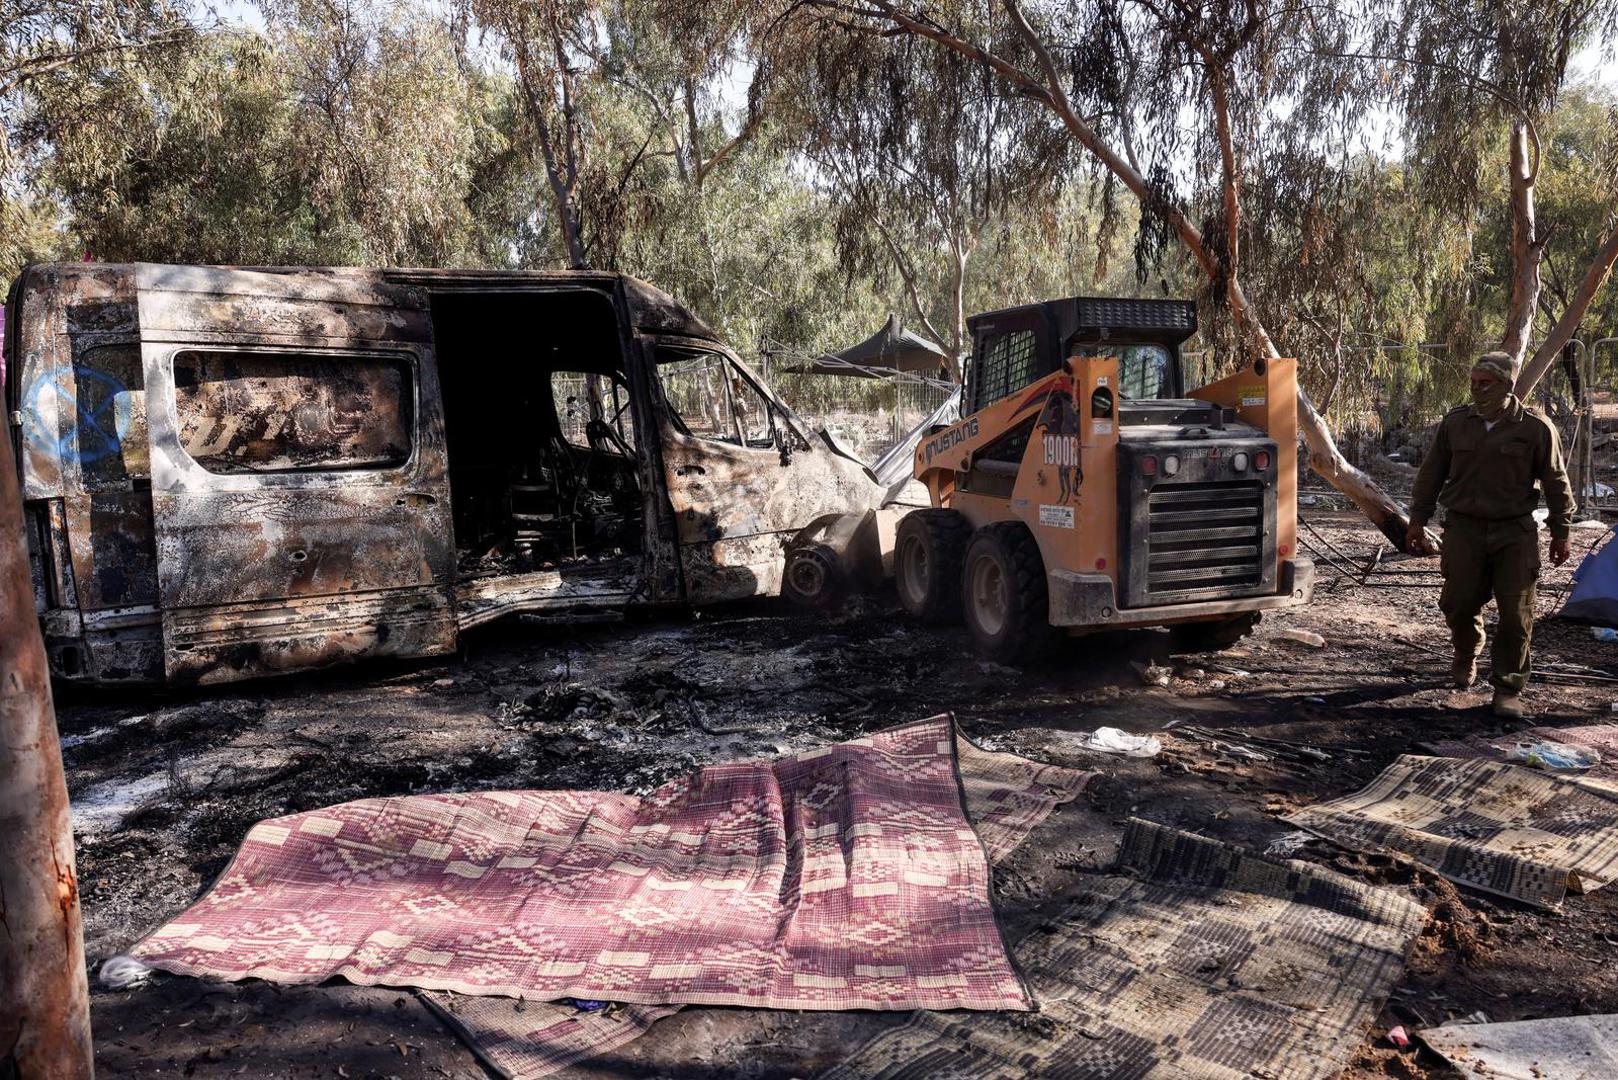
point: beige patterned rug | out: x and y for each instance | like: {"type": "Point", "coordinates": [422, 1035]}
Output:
{"type": "Point", "coordinates": [1006, 797]}
{"type": "Point", "coordinates": [1500, 828]}
{"type": "Point", "coordinates": [1192, 960]}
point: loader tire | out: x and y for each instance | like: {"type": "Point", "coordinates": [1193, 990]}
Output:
{"type": "Point", "coordinates": [927, 552]}
{"type": "Point", "coordinates": [1004, 595]}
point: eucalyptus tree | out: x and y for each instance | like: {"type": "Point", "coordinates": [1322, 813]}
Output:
{"type": "Point", "coordinates": [920, 149]}
{"type": "Point", "coordinates": [1180, 102]}
{"type": "Point", "coordinates": [1466, 75]}
{"type": "Point", "coordinates": [41, 40]}
{"type": "Point", "coordinates": [386, 121]}
{"type": "Point", "coordinates": [683, 64]}
{"type": "Point", "coordinates": [608, 85]}
{"type": "Point", "coordinates": [340, 133]}
{"type": "Point", "coordinates": [1577, 195]}
{"type": "Point", "coordinates": [548, 45]}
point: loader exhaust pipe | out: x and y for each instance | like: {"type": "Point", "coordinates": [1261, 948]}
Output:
{"type": "Point", "coordinates": [44, 995]}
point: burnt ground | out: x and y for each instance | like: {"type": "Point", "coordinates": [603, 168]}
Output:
{"type": "Point", "coordinates": [165, 786]}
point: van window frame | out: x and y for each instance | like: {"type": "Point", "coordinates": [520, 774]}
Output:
{"type": "Point", "coordinates": [774, 413]}
{"type": "Point", "coordinates": [407, 355]}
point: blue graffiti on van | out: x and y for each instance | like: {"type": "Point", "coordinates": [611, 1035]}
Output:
{"type": "Point", "coordinates": [92, 433]}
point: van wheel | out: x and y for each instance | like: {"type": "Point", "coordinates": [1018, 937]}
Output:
{"type": "Point", "coordinates": [928, 549]}
{"type": "Point", "coordinates": [1004, 594]}
{"type": "Point", "coordinates": [1214, 635]}
{"type": "Point", "coordinates": [814, 577]}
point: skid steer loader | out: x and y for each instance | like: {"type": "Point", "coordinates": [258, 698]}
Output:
{"type": "Point", "coordinates": [1085, 488]}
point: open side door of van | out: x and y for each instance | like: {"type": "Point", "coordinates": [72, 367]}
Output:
{"type": "Point", "coordinates": [299, 481]}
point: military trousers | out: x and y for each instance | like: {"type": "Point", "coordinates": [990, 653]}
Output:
{"type": "Point", "coordinates": [1488, 558]}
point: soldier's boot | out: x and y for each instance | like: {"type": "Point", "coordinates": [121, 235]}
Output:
{"type": "Point", "coordinates": [1463, 670]}
{"type": "Point", "coordinates": [1507, 705]}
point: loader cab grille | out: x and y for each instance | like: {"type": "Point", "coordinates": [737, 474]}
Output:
{"type": "Point", "coordinates": [1013, 347]}
{"type": "Point", "coordinates": [1203, 535]}
{"type": "Point", "coordinates": [1007, 365]}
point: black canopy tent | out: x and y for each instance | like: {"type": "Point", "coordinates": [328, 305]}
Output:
{"type": "Point", "coordinates": [889, 351]}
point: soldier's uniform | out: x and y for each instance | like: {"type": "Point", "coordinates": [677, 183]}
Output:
{"type": "Point", "coordinates": [1489, 479]}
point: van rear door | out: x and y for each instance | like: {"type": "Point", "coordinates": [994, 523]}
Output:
{"type": "Point", "coordinates": [298, 471]}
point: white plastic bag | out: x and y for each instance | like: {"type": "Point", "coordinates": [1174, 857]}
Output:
{"type": "Point", "coordinates": [1111, 740]}
{"type": "Point", "coordinates": [123, 972]}
{"type": "Point", "coordinates": [1544, 754]}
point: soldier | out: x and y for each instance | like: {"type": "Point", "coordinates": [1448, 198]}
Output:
{"type": "Point", "coordinates": [1488, 463]}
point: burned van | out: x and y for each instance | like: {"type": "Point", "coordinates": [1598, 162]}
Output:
{"type": "Point", "coordinates": [229, 473]}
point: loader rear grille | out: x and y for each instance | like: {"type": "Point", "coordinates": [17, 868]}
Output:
{"type": "Point", "coordinates": [1205, 536]}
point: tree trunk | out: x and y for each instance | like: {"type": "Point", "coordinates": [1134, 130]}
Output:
{"type": "Point", "coordinates": [1328, 461]}
{"type": "Point", "coordinates": [1526, 249]}
{"type": "Point", "coordinates": [1595, 275]}
{"type": "Point", "coordinates": [957, 312]}
{"type": "Point", "coordinates": [562, 180]}
{"type": "Point", "coordinates": [44, 999]}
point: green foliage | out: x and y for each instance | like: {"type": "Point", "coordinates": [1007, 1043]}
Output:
{"type": "Point", "coordinates": [335, 137]}
{"type": "Point", "coordinates": [40, 40]}
{"type": "Point", "coordinates": [794, 177]}
{"type": "Point", "coordinates": [1577, 197]}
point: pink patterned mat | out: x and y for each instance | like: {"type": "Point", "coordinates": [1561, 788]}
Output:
{"type": "Point", "coordinates": [1006, 798]}
{"type": "Point", "coordinates": [847, 877]}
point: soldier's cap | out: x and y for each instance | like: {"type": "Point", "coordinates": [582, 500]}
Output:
{"type": "Point", "coordinates": [1499, 364]}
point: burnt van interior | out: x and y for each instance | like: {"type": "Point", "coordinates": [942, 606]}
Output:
{"type": "Point", "coordinates": [539, 434]}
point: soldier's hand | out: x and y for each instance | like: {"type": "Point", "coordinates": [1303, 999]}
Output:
{"type": "Point", "coordinates": [1416, 541]}
{"type": "Point", "coordinates": [1560, 550]}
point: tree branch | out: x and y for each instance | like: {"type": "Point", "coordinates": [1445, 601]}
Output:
{"type": "Point", "coordinates": [1595, 275]}
{"type": "Point", "coordinates": [907, 274]}
{"type": "Point", "coordinates": [731, 145]}
{"type": "Point", "coordinates": [32, 68]}
{"type": "Point", "coordinates": [1472, 78]}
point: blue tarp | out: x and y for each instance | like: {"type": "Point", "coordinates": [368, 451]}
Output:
{"type": "Point", "coordinates": [1594, 598]}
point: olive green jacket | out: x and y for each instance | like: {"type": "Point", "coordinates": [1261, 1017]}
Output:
{"type": "Point", "coordinates": [1494, 473]}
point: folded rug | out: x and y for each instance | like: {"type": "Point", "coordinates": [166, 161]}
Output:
{"type": "Point", "coordinates": [846, 877]}
{"type": "Point", "coordinates": [1191, 959]}
{"type": "Point", "coordinates": [1503, 829]}
{"type": "Point", "coordinates": [1006, 797]}
{"type": "Point", "coordinates": [1602, 738]}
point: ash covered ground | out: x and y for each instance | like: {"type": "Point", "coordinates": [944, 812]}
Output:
{"type": "Point", "coordinates": [166, 785]}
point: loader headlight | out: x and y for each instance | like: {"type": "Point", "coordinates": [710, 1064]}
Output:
{"type": "Point", "coordinates": [1171, 464]}
{"type": "Point", "coordinates": [1238, 461]}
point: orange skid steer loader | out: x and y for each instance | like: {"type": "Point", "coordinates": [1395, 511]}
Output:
{"type": "Point", "coordinates": [1086, 489]}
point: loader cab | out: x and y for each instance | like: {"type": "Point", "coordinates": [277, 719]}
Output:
{"type": "Point", "coordinates": [1016, 347]}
